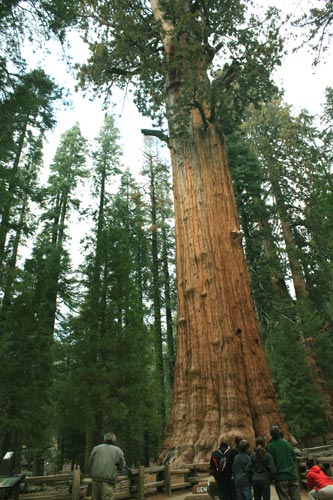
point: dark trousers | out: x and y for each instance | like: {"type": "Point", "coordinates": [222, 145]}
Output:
{"type": "Point", "coordinates": [227, 489]}
{"type": "Point", "coordinates": [261, 490]}
{"type": "Point", "coordinates": [243, 492]}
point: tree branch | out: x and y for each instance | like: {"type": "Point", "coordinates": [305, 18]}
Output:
{"type": "Point", "coordinates": [155, 133]}
{"type": "Point", "coordinates": [197, 105]}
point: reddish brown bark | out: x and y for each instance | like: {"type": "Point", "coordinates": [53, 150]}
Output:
{"type": "Point", "coordinates": [297, 274]}
{"type": "Point", "coordinates": [222, 384]}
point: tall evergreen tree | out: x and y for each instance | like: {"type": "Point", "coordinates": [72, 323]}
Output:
{"type": "Point", "coordinates": [45, 280]}
{"type": "Point", "coordinates": [30, 107]}
{"type": "Point", "coordinates": [115, 382]}
{"type": "Point", "coordinates": [289, 159]}
{"type": "Point", "coordinates": [150, 171]}
{"type": "Point", "coordinates": [162, 246]}
{"type": "Point", "coordinates": [174, 45]}
{"type": "Point", "coordinates": [106, 159]}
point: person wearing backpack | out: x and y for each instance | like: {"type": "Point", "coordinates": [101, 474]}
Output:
{"type": "Point", "coordinates": [261, 471]}
{"type": "Point", "coordinates": [241, 478]}
{"type": "Point", "coordinates": [221, 468]}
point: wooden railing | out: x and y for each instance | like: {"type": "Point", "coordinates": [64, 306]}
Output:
{"type": "Point", "coordinates": [323, 461]}
{"type": "Point", "coordinates": [139, 483]}
{"type": "Point", "coordinates": [143, 481]}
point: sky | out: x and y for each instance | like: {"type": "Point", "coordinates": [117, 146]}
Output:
{"type": "Point", "coordinates": [304, 88]}
{"type": "Point", "coordinates": [88, 112]}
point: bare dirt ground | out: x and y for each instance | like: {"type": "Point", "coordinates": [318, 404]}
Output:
{"type": "Point", "coordinates": [181, 495]}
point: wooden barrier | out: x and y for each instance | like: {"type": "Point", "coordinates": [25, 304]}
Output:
{"type": "Point", "coordinates": [76, 483]}
{"type": "Point", "coordinates": [55, 478]}
{"type": "Point", "coordinates": [319, 459]}
{"type": "Point", "coordinates": [136, 485]}
{"type": "Point", "coordinates": [139, 483]}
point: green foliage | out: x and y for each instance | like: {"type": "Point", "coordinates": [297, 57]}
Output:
{"type": "Point", "coordinates": [279, 169]}
{"type": "Point", "coordinates": [98, 347]}
{"type": "Point", "coordinates": [27, 113]}
{"type": "Point", "coordinates": [303, 405]}
{"type": "Point", "coordinates": [109, 333]}
{"type": "Point", "coordinates": [318, 27]}
{"type": "Point", "coordinates": [236, 50]}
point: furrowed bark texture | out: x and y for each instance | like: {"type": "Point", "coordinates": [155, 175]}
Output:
{"type": "Point", "coordinates": [222, 384]}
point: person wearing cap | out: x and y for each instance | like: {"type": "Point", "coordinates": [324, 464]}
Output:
{"type": "Point", "coordinates": [105, 461]}
{"type": "Point", "coordinates": [286, 481]}
{"type": "Point", "coordinates": [320, 486]}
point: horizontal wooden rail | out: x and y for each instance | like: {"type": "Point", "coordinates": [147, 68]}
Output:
{"type": "Point", "coordinates": [157, 484]}
{"type": "Point", "coordinates": [55, 478]}
{"type": "Point", "coordinates": [48, 496]}
{"type": "Point", "coordinates": [325, 460]}
{"type": "Point", "coordinates": [177, 486]}
{"type": "Point", "coordinates": [180, 471]}
{"type": "Point", "coordinates": [140, 482]}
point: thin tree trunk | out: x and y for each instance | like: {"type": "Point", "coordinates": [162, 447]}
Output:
{"type": "Point", "coordinates": [156, 298]}
{"type": "Point", "coordinates": [297, 274]}
{"type": "Point", "coordinates": [168, 306]}
{"type": "Point", "coordinates": [7, 296]}
{"type": "Point", "coordinates": [5, 216]}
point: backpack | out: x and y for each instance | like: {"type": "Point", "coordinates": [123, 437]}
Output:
{"type": "Point", "coordinates": [223, 461]}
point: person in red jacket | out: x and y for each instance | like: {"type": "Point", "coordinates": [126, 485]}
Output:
{"type": "Point", "coordinates": [320, 486]}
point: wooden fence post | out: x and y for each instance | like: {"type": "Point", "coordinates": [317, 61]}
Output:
{"type": "Point", "coordinates": [167, 479]}
{"type": "Point", "coordinates": [141, 483]}
{"type": "Point", "coordinates": [76, 483]}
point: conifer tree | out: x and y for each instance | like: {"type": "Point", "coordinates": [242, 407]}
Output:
{"type": "Point", "coordinates": [160, 207]}
{"type": "Point", "coordinates": [174, 45]}
{"type": "Point", "coordinates": [289, 159]}
{"type": "Point", "coordinates": [30, 322]}
{"type": "Point", "coordinates": [29, 107]}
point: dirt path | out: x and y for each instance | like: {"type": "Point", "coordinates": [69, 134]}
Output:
{"type": "Point", "coordinates": [187, 493]}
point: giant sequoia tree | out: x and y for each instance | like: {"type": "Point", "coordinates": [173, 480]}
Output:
{"type": "Point", "coordinates": [222, 383]}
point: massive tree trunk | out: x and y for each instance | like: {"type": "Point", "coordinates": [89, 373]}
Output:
{"type": "Point", "coordinates": [222, 384]}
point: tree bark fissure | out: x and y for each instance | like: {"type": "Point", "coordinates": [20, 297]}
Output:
{"type": "Point", "coordinates": [222, 384]}
{"type": "Point", "coordinates": [222, 381]}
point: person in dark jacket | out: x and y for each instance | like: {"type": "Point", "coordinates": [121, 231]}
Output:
{"type": "Point", "coordinates": [223, 478]}
{"type": "Point", "coordinates": [105, 461]}
{"type": "Point", "coordinates": [320, 486]}
{"type": "Point", "coordinates": [237, 442]}
{"type": "Point", "coordinates": [286, 481]}
{"type": "Point", "coordinates": [261, 471]}
{"type": "Point", "coordinates": [241, 478]}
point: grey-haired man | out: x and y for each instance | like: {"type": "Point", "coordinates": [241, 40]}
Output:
{"type": "Point", "coordinates": [106, 460]}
